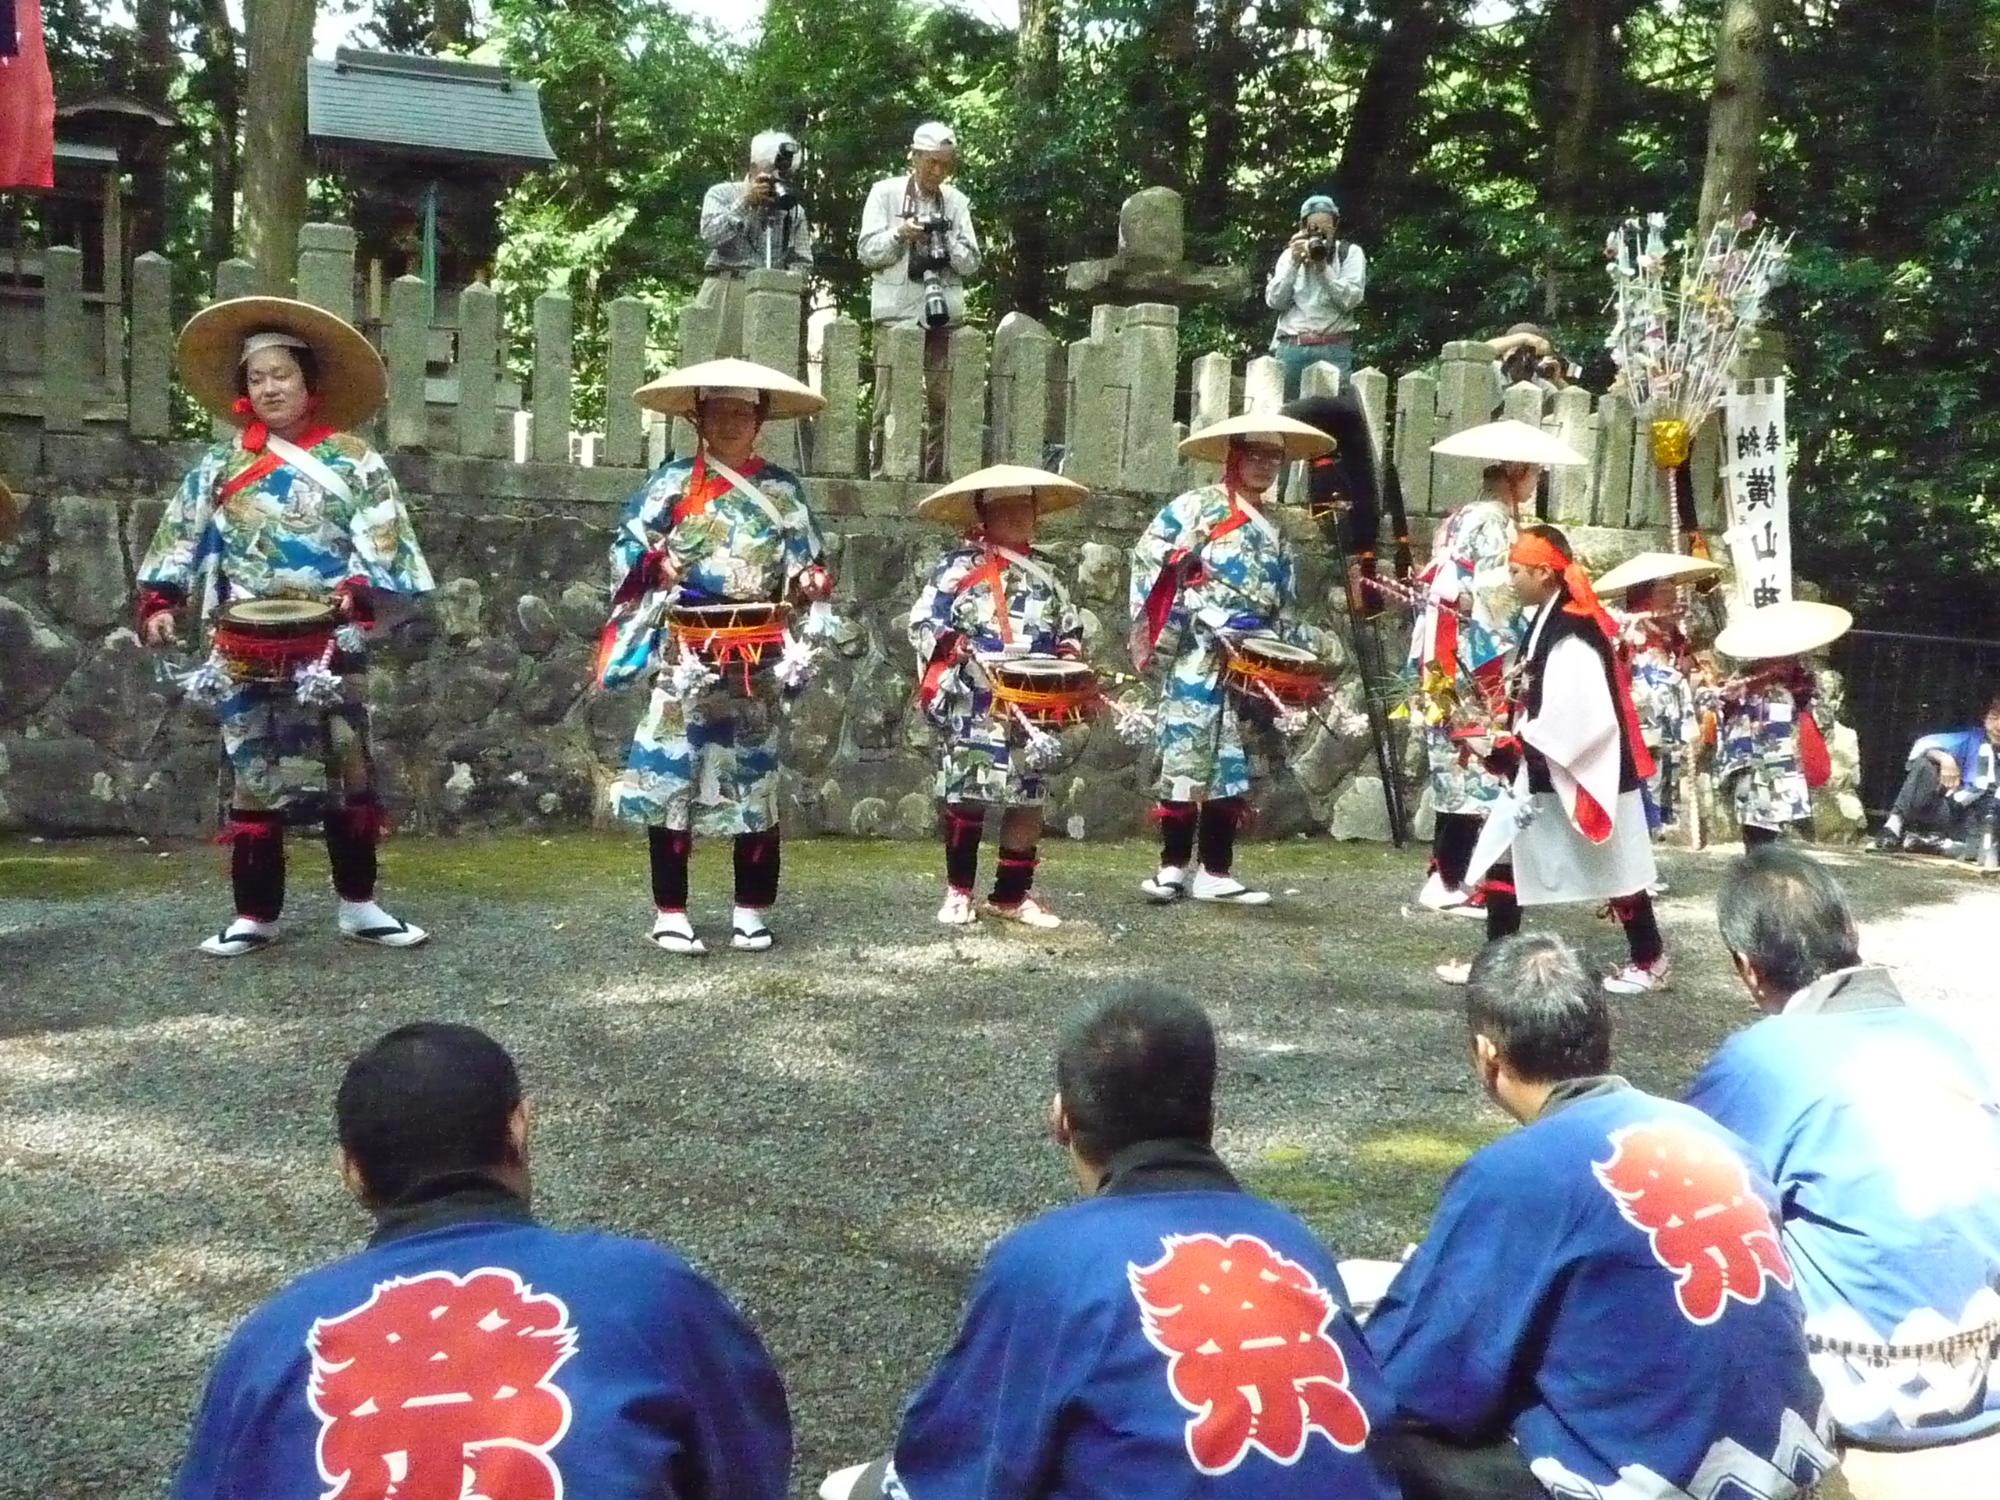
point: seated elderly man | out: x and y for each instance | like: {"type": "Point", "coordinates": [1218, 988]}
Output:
{"type": "Point", "coordinates": [1951, 794]}
{"type": "Point", "coordinates": [1601, 1307]}
{"type": "Point", "coordinates": [469, 1350]}
{"type": "Point", "coordinates": [1170, 1336]}
{"type": "Point", "coordinates": [1883, 1135]}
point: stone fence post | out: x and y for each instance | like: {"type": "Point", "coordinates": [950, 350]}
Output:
{"type": "Point", "coordinates": [835, 432]}
{"type": "Point", "coordinates": [1020, 376]}
{"type": "Point", "coordinates": [478, 371]}
{"type": "Point", "coordinates": [624, 372]}
{"type": "Point", "coordinates": [63, 373]}
{"type": "Point", "coordinates": [550, 387]}
{"type": "Point", "coordinates": [408, 348]}
{"type": "Point", "coordinates": [326, 268]}
{"type": "Point", "coordinates": [152, 353]}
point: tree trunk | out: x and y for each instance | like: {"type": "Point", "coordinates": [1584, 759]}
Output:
{"type": "Point", "coordinates": [1222, 134]}
{"type": "Point", "coordinates": [1384, 107]}
{"type": "Point", "coordinates": [1584, 34]}
{"type": "Point", "coordinates": [1735, 110]}
{"type": "Point", "coordinates": [1159, 95]}
{"type": "Point", "coordinates": [277, 41]}
{"type": "Point", "coordinates": [157, 66]}
{"type": "Point", "coordinates": [1036, 75]}
{"type": "Point", "coordinates": [222, 85]}
{"type": "Point", "coordinates": [451, 24]}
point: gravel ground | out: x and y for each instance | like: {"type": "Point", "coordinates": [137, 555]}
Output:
{"type": "Point", "coordinates": [833, 1129]}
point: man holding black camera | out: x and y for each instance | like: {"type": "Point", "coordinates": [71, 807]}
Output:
{"type": "Point", "coordinates": [1318, 283]}
{"type": "Point", "coordinates": [757, 223]}
{"type": "Point", "coordinates": [916, 236]}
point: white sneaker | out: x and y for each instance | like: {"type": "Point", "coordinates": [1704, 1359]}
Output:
{"type": "Point", "coordinates": [1437, 896]}
{"type": "Point", "coordinates": [957, 910]}
{"type": "Point", "coordinates": [1456, 972]}
{"type": "Point", "coordinates": [1030, 913]}
{"type": "Point", "coordinates": [672, 932]}
{"type": "Point", "coordinates": [748, 930]}
{"type": "Point", "coordinates": [1640, 979]}
{"type": "Point", "coordinates": [366, 922]}
{"type": "Point", "coordinates": [1166, 885]}
{"type": "Point", "coordinates": [1211, 887]}
{"type": "Point", "coordinates": [241, 936]}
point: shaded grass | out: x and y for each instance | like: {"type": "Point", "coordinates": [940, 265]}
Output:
{"type": "Point", "coordinates": [70, 872]}
{"type": "Point", "coordinates": [1393, 1176]}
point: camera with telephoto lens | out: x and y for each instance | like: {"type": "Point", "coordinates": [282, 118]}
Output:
{"type": "Point", "coordinates": [930, 257]}
{"type": "Point", "coordinates": [1317, 246]}
{"type": "Point", "coordinates": [784, 196]}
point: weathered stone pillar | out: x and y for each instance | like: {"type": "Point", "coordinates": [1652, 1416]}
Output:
{"type": "Point", "coordinates": [234, 278]}
{"type": "Point", "coordinates": [1214, 385]}
{"type": "Point", "coordinates": [152, 351]}
{"type": "Point", "coordinates": [1372, 387]}
{"type": "Point", "coordinates": [1416, 430]}
{"type": "Point", "coordinates": [1020, 390]}
{"type": "Point", "coordinates": [550, 386]}
{"type": "Point", "coordinates": [1468, 390]}
{"type": "Point", "coordinates": [326, 268]}
{"type": "Point", "coordinates": [1151, 343]}
{"type": "Point", "coordinates": [965, 403]}
{"type": "Point", "coordinates": [624, 372]}
{"type": "Point", "coordinates": [1263, 384]}
{"type": "Point", "coordinates": [478, 371]}
{"type": "Point", "coordinates": [1569, 489]}
{"type": "Point", "coordinates": [835, 434]}
{"type": "Point", "coordinates": [63, 375]}
{"type": "Point", "coordinates": [899, 401]}
{"type": "Point", "coordinates": [773, 310]}
{"type": "Point", "coordinates": [1096, 421]}
{"type": "Point", "coordinates": [408, 339]}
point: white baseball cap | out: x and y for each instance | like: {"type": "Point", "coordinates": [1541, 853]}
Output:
{"type": "Point", "coordinates": [933, 135]}
{"type": "Point", "coordinates": [766, 144]}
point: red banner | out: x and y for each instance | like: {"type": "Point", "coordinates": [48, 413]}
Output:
{"type": "Point", "coordinates": [27, 102]}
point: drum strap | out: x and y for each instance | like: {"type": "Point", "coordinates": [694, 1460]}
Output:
{"type": "Point", "coordinates": [314, 469]}
{"type": "Point", "coordinates": [748, 491]}
{"type": "Point", "coordinates": [990, 571]}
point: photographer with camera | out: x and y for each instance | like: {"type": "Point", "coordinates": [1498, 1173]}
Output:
{"type": "Point", "coordinates": [916, 236]}
{"type": "Point", "coordinates": [1524, 353]}
{"type": "Point", "coordinates": [1318, 283]}
{"type": "Point", "coordinates": [757, 223]}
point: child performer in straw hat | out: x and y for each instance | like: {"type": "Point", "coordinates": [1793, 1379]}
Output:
{"type": "Point", "coordinates": [991, 596]}
{"type": "Point", "coordinates": [1211, 568]}
{"type": "Point", "coordinates": [721, 527]}
{"type": "Point", "coordinates": [1575, 749]}
{"type": "Point", "coordinates": [293, 507]}
{"type": "Point", "coordinates": [1770, 753]}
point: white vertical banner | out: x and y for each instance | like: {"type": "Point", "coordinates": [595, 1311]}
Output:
{"type": "Point", "coordinates": [1760, 506]}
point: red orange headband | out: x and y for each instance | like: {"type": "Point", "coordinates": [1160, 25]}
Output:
{"type": "Point", "coordinates": [1533, 550]}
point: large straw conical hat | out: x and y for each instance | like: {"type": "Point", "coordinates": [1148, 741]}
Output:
{"type": "Point", "coordinates": [1789, 629]}
{"type": "Point", "coordinates": [1509, 442]}
{"type": "Point", "coordinates": [1212, 442]}
{"type": "Point", "coordinates": [677, 391]}
{"type": "Point", "coordinates": [1656, 567]}
{"type": "Point", "coordinates": [954, 502]}
{"type": "Point", "coordinates": [10, 512]}
{"type": "Point", "coordinates": [351, 380]}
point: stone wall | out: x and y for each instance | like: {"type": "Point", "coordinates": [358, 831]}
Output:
{"type": "Point", "coordinates": [484, 712]}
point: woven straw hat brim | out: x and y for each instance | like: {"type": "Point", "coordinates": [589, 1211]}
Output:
{"type": "Point", "coordinates": [1788, 629]}
{"type": "Point", "coordinates": [954, 503]}
{"type": "Point", "coordinates": [1655, 567]}
{"type": "Point", "coordinates": [1211, 444]}
{"type": "Point", "coordinates": [10, 512]}
{"type": "Point", "coordinates": [677, 391]}
{"type": "Point", "coordinates": [352, 379]}
{"type": "Point", "coordinates": [1509, 442]}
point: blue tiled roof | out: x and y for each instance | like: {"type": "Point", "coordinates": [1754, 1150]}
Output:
{"type": "Point", "coordinates": [425, 106]}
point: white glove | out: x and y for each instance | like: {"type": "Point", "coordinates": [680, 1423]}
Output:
{"type": "Point", "coordinates": [1446, 587]}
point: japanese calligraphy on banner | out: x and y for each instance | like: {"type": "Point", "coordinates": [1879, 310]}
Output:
{"type": "Point", "coordinates": [1760, 509]}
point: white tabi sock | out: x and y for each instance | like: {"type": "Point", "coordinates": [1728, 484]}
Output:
{"type": "Point", "coordinates": [358, 916]}
{"type": "Point", "coordinates": [748, 919]}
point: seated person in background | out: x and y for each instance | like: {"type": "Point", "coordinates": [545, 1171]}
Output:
{"type": "Point", "coordinates": [1882, 1134]}
{"type": "Point", "coordinates": [1951, 793]}
{"type": "Point", "coordinates": [1601, 1307]}
{"type": "Point", "coordinates": [467, 1349]}
{"type": "Point", "coordinates": [1169, 1336]}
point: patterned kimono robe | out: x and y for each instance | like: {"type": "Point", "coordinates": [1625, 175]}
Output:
{"type": "Point", "coordinates": [710, 762]}
{"type": "Point", "coordinates": [1239, 577]}
{"type": "Point", "coordinates": [1757, 750]}
{"type": "Point", "coordinates": [1471, 543]}
{"type": "Point", "coordinates": [284, 535]}
{"type": "Point", "coordinates": [994, 601]}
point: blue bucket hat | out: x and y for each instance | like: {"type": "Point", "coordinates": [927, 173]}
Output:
{"type": "Point", "coordinates": [1318, 203]}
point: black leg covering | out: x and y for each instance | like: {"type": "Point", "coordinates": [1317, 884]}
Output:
{"type": "Point", "coordinates": [1015, 877]}
{"type": "Point", "coordinates": [669, 849]}
{"type": "Point", "coordinates": [963, 825]}
{"type": "Point", "coordinates": [351, 834]}
{"type": "Point", "coordinates": [1216, 833]}
{"type": "Point", "coordinates": [1503, 910]}
{"type": "Point", "coordinates": [1642, 928]}
{"type": "Point", "coordinates": [257, 864]}
{"type": "Point", "coordinates": [757, 869]}
{"type": "Point", "coordinates": [1176, 833]}
{"type": "Point", "coordinates": [1452, 843]}
{"type": "Point", "coordinates": [1921, 802]}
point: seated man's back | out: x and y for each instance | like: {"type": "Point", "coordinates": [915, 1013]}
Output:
{"type": "Point", "coordinates": [469, 1349]}
{"type": "Point", "coordinates": [1171, 1335]}
{"type": "Point", "coordinates": [1605, 1285]}
{"type": "Point", "coordinates": [1882, 1132]}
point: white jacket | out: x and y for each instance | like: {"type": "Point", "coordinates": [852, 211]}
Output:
{"type": "Point", "coordinates": [897, 298]}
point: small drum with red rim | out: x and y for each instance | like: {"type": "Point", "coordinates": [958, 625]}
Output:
{"type": "Point", "coordinates": [268, 640]}
{"type": "Point", "coordinates": [1273, 673]}
{"type": "Point", "coordinates": [734, 638]}
{"type": "Point", "coordinates": [1050, 692]}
